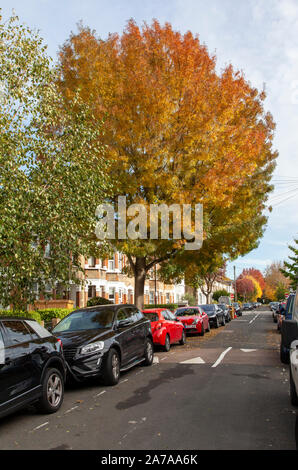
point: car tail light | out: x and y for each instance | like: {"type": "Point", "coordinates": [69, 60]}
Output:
{"type": "Point", "coordinates": [60, 344]}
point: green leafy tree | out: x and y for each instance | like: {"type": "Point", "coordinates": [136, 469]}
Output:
{"type": "Point", "coordinates": [220, 293]}
{"type": "Point", "coordinates": [290, 269]}
{"type": "Point", "coordinates": [48, 187]}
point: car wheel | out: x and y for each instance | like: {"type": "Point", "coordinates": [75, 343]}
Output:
{"type": "Point", "coordinates": [284, 355]}
{"type": "Point", "coordinates": [202, 330]}
{"type": "Point", "coordinates": [275, 320]}
{"type": "Point", "coordinates": [293, 393]}
{"type": "Point", "coordinates": [111, 372]}
{"type": "Point", "coordinates": [209, 327]}
{"type": "Point", "coordinates": [149, 352]}
{"type": "Point", "coordinates": [167, 345]}
{"type": "Point", "coordinates": [223, 322]}
{"type": "Point", "coordinates": [183, 338]}
{"type": "Point", "coordinates": [52, 391]}
{"type": "Point", "coordinates": [216, 323]}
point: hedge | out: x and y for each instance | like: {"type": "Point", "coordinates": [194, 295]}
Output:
{"type": "Point", "coordinates": [45, 315]}
{"type": "Point", "coordinates": [98, 301]}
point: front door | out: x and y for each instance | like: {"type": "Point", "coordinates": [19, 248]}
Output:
{"type": "Point", "coordinates": [18, 368]}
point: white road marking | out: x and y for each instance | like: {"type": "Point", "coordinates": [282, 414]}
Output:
{"type": "Point", "coordinates": [248, 350]}
{"type": "Point", "coordinates": [155, 360]}
{"type": "Point", "coordinates": [221, 357]}
{"type": "Point", "coordinates": [101, 393]}
{"type": "Point", "coordinates": [40, 426]}
{"type": "Point", "coordinates": [254, 318]}
{"type": "Point", "coordinates": [71, 409]}
{"type": "Point", "coordinates": [163, 358]}
{"type": "Point", "coordinates": [122, 381]}
{"type": "Point", "coordinates": [194, 360]}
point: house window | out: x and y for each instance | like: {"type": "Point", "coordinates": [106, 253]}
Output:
{"type": "Point", "coordinates": [167, 298]}
{"type": "Point", "coordinates": [91, 262]}
{"type": "Point", "coordinates": [151, 297]}
{"type": "Point", "coordinates": [111, 265]}
{"type": "Point", "coordinates": [47, 250]}
{"type": "Point", "coordinates": [120, 261]}
{"type": "Point", "coordinates": [120, 295]}
{"type": "Point", "coordinates": [112, 294]}
{"type": "Point", "coordinates": [91, 291]}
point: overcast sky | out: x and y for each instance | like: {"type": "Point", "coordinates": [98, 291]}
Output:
{"type": "Point", "coordinates": [260, 37]}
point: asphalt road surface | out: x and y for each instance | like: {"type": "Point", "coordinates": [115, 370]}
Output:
{"type": "Point", "coordinates": [227, 390]}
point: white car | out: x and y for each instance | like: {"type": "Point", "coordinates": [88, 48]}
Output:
{"type": "Point", "coordinates": [294, 372]}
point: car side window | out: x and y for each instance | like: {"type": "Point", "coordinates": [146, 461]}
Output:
{"type": "Point", "coordinates": [2, 349]}
{"type": "Point", "coordinates": [17, 331]}
{"type": "Point", "coordinates": [295, 308]}
{"type": "Point", "coordinates": [171, 316]}
{"type": "Point", "coordinates": [165, 314]}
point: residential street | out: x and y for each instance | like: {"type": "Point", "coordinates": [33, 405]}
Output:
{"type": "Point", "coordinates": [231, 393]}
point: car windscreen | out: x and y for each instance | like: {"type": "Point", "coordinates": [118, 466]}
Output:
{"type": "Point", "coordinates": [86, 320]}
{"type": "Point", "coordinates": [183, 312]}
{"type": "Point", "coordinates": [208, 308]}
{"type": "Point", "coordinates": [151, 316]}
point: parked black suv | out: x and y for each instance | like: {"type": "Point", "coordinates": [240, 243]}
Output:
{"type": "Point", "coordinates": [215, 314]}
{"type": "Point", "coordinates": [32, 366]}
{"type": "Point", "coordinates": [104, 340]}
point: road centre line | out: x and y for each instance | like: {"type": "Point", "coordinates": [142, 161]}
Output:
{"type": "Point", "coordinates": [221, 357]}
{"type": "Point", "coordinates": [254, 318]}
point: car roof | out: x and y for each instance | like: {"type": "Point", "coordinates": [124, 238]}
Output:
{"type": "Point", "coordinates": [99, 307]}
{"type": "Point", "coordinates": [15, 318]}
{"type": "Point", "coordinates": [154, 310]}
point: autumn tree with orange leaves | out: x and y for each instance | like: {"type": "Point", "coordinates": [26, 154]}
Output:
{"type": "Point", "coordinates": [176, 131]}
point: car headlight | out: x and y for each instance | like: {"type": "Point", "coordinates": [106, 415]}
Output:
{"type": "Point", "coordinates": [93, 347]}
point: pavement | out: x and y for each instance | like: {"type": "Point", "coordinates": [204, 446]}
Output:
{"type": "Point", "coordinates": [227, 390]}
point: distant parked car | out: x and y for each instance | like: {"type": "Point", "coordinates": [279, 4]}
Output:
{"type": "Point", "coordinates": [194, 319]}
{"type": "Point", "coordinates": [287, 330]}
{"type": "Point", "coordinates": [226, 311]}
{"type": "Point", "coordinates": [165, 328]}
{"type": "Point", "coordinates": [32, 366]}
{"type": "Point", "coordinates": [104, 340]}
{"type": "Point", "coordinates": [247, 306]}
{"type": "Point", "coordinates": [215, 314]}
{"type": "Point", "coordinates": [280, 314]}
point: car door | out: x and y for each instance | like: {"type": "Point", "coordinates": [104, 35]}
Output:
{"type": "Point", "coordinates": [18, 363]}
{"type": "Point", "coordinates": [175, 327]}
{"type": "Point", "coordinates": [127, 336]}
{"type": "Point", "coordinates": [5, 371]}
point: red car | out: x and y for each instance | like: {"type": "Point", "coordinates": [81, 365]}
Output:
{"type": "Point", "coordinates": [166, 330]}
{"type": "Point", "coordinates": [193, 319]}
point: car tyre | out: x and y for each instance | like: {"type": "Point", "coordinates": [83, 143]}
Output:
{"type": "Point", "coordinates": [223, 322]}
{"type": "Point", "coordinates": [216, 325]}
{"type": "Point", "coordinates": [111, 373]}
{"type": "Point", "coordinates": [293, 393]}
{"type": "Point", "coordinates": [149, 352]}
{"type": "Point", "coordinates": [202, 330]}
{"type": "Point", "coordinates": [183, 338]}
{"type": "Point", "coordinates": [284, 355]}
{"type": "Point", "coordinates": [167, 345]}
{"type": "Point", "coordinates": [209, 327]}
{"type": "Point", "coordinates": [52, 391]}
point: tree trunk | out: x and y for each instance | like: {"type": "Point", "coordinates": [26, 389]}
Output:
{"type": "Point", "coordinates": [140, 276]}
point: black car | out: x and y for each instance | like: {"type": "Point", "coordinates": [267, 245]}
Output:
{"type": "Point", "coordinates": [215, 314]}
{"type": "Point", "coordinates": [248, 306]}
{"type": "Point", "coordinates": [32, 366]}
{"type": "Point", "coordinates": [288, 329]}
{"type": "Point", "coordinates": [104, 340]}
{"type": "Point", "coordinates": [226, 311]}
